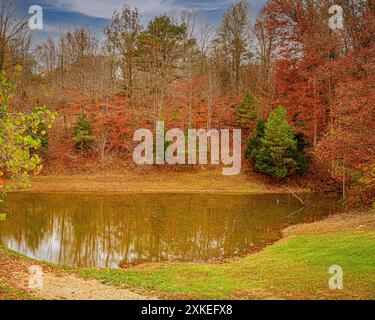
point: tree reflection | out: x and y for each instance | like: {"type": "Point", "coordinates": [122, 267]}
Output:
{"type": "Point", "coordinates": [112, 230]}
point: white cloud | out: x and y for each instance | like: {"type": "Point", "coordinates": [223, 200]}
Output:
{"type": "Point", "coordinates": [105, 9]}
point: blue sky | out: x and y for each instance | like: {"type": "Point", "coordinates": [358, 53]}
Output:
{"type": "Point", "coordinates": [68, 14]}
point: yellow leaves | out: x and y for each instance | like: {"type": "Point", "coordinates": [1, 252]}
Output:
{"type": "Point", "coordinates": [21, 136]}
{"type": "Point", "coordinates": [18, 69]}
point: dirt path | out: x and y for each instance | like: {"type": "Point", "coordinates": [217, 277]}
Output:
{"type": "Point", "coordinates": [70, 287]}
{"type": "Point", "coordinates": [59, 284]}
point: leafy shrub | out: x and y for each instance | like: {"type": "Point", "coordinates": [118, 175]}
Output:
{"type": "Point", "coordinates": [40, 133]}
{"type": "Point", "coordinates": [363, 186]}
{"type": "Point", "coordinates": [20, 137]}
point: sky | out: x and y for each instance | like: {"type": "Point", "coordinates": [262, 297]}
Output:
{"type": "Point", "coordinates": [68, 14]}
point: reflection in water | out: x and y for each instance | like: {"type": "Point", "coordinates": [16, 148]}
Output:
{"type": "Point", "coordinates": [111, 230]}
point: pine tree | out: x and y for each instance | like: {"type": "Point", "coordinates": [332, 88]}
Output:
{"type": "Point", "coordinates": [254, 144]}
{"type": "Point", "coordinates": [248, 111]}
{"type": "Point", "coordinates": [83, 137]}
{"type": "Point", "coordinates": [300, 155]}
{"type": "Point", "coordinates": [277, 155]}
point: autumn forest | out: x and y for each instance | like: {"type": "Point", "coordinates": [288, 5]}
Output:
{"type": "Point", "coordinates": [294, 78]}
{"type": "Point", "coordinates": [191, 74]}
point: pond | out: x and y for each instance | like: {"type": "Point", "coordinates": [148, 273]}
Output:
{"type": "Point", "coordinates": [117, 230]}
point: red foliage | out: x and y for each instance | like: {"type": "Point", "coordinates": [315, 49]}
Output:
{"type": "Point", "coordinates": [325, 80]}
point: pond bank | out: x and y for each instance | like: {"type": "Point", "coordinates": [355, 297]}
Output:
{"type": "Point", "coordinates": [172, 182]}
{"type": "Point", "coordinates": [59, 283]}
{"type": "Point", "coordinates": [295, 267]}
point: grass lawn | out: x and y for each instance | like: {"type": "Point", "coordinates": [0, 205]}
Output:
{"type": "Point", "coordinates": [293, 268]}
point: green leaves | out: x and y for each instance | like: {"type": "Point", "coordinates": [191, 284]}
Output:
{"type": "Point", "coordinates": [163, 40]}
{"type": "Point", "coordinates": [19, 138]}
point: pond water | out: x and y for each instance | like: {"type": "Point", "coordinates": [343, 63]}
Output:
{"type": "Point", "coordinates": [107, 230]}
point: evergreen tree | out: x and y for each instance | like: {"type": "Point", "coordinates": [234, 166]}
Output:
{"type": "Point", "coordinates": [83, 137]}
{"type": "Point", "coordinates": [275, 156]}
{"type": "Point", "coordinates": [247, 111]}
{"type": "Point", "coordinates": [254, 143]}
{"type": "Point", "coordinates": [300, 154]}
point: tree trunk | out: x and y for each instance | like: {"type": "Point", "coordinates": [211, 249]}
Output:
{"type": "Point", "coordinates": [190, 95]}
{"type": "Point", "coordinates": [2, 55]}
{"type": "Point", "coordinates": [343, 181]}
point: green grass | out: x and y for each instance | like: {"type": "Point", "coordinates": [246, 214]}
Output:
{"type": "Point", "coordinates": [9, 293]}
{"type": "Point", "coordinates": [294, 268]}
